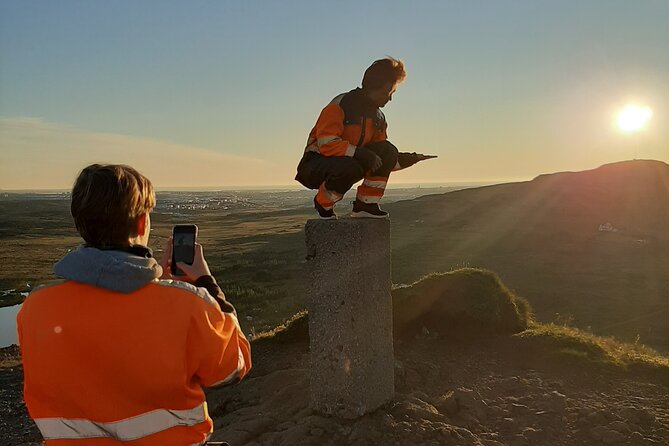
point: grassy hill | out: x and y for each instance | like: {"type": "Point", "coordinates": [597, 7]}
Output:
{"type": "Point", "coordinates": [543, 238]}
{"type": "Point", "coordinates": [472, 368]}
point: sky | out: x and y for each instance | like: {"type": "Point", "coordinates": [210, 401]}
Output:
{"type": "Point", "coordinates": [224, 93]}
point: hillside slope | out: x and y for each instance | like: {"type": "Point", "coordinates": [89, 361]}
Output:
{"type": "Point", "coordinates": [471, 369]}
{"type": "Point", "coordinates": [592, 246]}
{"type": "Point", "coordinates": [465, 380]}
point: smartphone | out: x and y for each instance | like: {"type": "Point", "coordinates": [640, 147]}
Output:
{"type": "Point", "coordinates": [183, 246]}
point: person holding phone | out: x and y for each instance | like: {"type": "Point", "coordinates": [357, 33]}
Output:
{"type": "Point", "coordinates": [349, 143]}
{"type": "Point", "coordinates": [183, 237]}
{"type": "Point", "coordinates": [119, 350]}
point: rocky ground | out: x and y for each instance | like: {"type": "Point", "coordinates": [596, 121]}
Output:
{"type": "Point", "coordinates": [491, 391]}
{"type": "Point", "coordinates": [16, 428]}
{"type": "Point", "coordinates": [483, 392]}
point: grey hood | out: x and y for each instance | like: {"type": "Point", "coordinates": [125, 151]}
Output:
{"type": "Point", "coordinates": [113, 270]}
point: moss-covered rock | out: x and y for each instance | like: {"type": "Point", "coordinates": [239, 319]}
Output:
{"type": "Point", "coordinates": [466, 301]}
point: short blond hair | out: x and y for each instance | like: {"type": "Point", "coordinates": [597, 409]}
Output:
{"type": "Point", "coordinates": [107, 200]}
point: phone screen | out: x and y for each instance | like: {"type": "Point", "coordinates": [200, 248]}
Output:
{"type": "Point", "coordinates": [183, 246]}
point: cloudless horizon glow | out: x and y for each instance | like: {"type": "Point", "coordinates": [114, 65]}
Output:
{"type": "Point", "coordinates": [221, 94]}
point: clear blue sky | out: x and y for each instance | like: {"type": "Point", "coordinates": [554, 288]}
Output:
{"type": "Point", "coordinates": [203, 93]}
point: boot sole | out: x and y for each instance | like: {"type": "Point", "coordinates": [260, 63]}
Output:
{"type": "Point", "coordinates": [363, 214]}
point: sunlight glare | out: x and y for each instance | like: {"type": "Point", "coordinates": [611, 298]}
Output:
{"type": "Point", "coordinates": [633, 118]}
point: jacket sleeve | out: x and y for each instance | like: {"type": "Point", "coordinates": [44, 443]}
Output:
{"type": "Point", "coordinates": [218, 352]}
{"type": "Point", "coordinates": [329, 130]}
{"type": "Point", "coordinates": [381, 134]}
{"type": "Point", "coordinates": [209, 283]}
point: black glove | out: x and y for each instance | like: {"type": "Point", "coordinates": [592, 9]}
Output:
{"type": "Point", "coordinates": [406, 159]}
{"type": "Point", "coordinates": [366, 157]}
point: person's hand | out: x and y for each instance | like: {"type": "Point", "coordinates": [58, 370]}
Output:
{"type": "Point", "coordinates": [199, 267]}
{"type": "Point", "coordinates": [370, 161]}
{"type": "Point", "coordinates": [192, 272]}
{"type": "Point", "coordinates": [166, 261]}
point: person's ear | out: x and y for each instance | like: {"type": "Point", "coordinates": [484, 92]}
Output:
{"type": "Point", "coordinates": [142, 224]}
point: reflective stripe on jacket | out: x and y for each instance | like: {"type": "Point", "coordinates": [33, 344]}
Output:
{"type": "Point", "coordinates": [102, 366]}
{"type": "Point", "coordinates": [339, 128]}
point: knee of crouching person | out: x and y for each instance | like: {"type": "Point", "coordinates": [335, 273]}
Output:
{"type": "Point", "coordinates": [389, 155]}
{"type": "Point", "coordinates": [386, 150]}
{"type": "Point", "coordinates": [346, 178]}
{"type": "Point", "coordinates": [392, 153]}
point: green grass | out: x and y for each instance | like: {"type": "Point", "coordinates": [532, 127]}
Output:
{"type": "Point", "coordinates": [565, 341]}
{"type": "Point", "coordinates": [467, 299]}
{"type": "Point", "coordinates": [539, 237]}
{"type": "Point", "coordinates": [293, 329]}
{"type": "Point", "coordinates": [470, 302]}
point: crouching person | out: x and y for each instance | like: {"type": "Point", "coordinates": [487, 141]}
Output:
{"type": "Point", "coordinates": [118, 351]}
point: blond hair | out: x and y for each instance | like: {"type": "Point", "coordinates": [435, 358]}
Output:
{"type": "Point", "coordinates": [107, 200]}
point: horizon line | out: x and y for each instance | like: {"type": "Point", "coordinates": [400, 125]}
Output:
{"type": "Point", "coordinates": [285, 186]}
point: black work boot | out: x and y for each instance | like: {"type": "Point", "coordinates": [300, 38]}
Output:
{"type": "Point", "coordinates": [324, 214]}
{"type": "Point", "coordinates": [367, 210]}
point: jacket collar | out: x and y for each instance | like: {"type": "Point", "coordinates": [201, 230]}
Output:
{"type": "Point", "coordinates": [361, 96]}
{"type": "Point", "coordinates": [113, 268]}
{"type": "Point", "coordinates": [138, 250]}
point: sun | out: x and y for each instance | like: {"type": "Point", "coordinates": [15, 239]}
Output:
{"type": "Point", "coordinates": [633, 118]}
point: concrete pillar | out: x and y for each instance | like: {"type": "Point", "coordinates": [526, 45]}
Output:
{"type": "Point", "coordinates": [350, 315]}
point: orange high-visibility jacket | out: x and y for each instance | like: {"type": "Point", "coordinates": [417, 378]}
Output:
{"type": "Point", "coordinates": [115, 355]}
{"type": "Point", "coordinates": [339, 128]}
